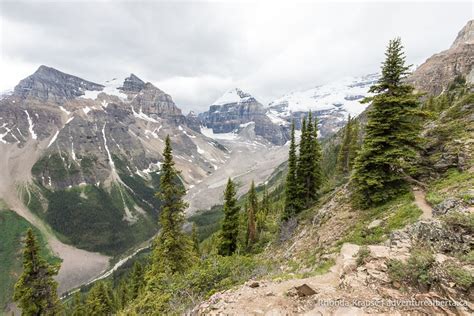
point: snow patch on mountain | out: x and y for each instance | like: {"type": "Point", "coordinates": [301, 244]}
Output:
{"type": "Point", "coordinates": [273, 116]}
{"type": "Point", "coordinates": [53, 139]}
{"type": "Point", "coordinates": [111, 87]}
{"type": "Point", "coordinates": [233, 96]}
{"type": "Point", "coordinates": [208, 132]}
{"type": "Point", "coordinates": [30, 125]}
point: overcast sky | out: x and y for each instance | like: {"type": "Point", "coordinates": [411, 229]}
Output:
{"type": "Point", "coordinates": [195, 51]}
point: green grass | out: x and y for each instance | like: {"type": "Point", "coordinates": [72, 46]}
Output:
{"type": "Point", "coordinates": [461, 277]}
{"type": "Point", "coordinates": [454, 183]}
{"type": "Point", "coordinates": [12, 229]}
{"type": "Point", "coordinates": [393, 215]}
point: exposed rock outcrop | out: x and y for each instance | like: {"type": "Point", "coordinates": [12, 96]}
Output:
{"type": "Point", "coordinates": [236, 110]}
{"type": "Point", "coordinates": [49, 84]}
{"type": "Point", "coordinates": [434, 75]}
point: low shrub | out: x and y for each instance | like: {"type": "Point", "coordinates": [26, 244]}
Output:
{"type": "Point", "coordinates": [417, 271]}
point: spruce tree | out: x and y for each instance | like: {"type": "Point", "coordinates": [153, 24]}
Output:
{"type": "Point", "coordinates": [173, 249]}
{"type": "Point", "coordinates": [195, 238]}
{"type": "Point", "coordinates": [252, 209]}
{"type": "Point", "coordinates": [77, 306]}
{"type": "Point", "coordinates": [354, 145]}
{"type": "Point", "coordinates": [309, 164]}
{"type": "Point", "coordinates": [344, 151]}
{"type": "Point", "coordinates": [304, 167]}
{"type": "Point", "coordinates": [230, 226]}
{"type": "Point", "coordinates": [36, 290]}
{"type": "Point", "coordinates": [99, 300]}
{"type": "Point", "coordinates": [317, 173]}
{"type": "Point", "coordinates": [264, 209]}
{"type": "Point", "coordinates": [136, 281]}
{"type": "Point", "coordinates": [343, 158]}
{"type": "Point", "coordinates": [291, 185]}
{"type": "Point", "coordinates": [391, 135]}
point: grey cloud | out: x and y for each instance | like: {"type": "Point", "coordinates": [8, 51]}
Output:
{"type": "Point", "coordinates": [196, 50]}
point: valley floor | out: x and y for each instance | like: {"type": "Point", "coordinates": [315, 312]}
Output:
{"type": "Point", "coordinates": [249, 160]}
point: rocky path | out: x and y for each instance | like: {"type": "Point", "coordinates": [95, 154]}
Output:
{"type": "Point", "coordinates": [282, 298]}
{"type": "Point", "coordinates": [420, 201]}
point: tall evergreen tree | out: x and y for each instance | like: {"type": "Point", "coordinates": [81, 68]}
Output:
{"type": "Point", "coordinates": [391, 135]}
{"type": "Point", "coordinates": [36, 290]}
{"type": "Point", "coordinates": [136, 280]}
{"type": "Point", "coordinates": [309, 163]}
{"type": "Point", "coordinates": [99, 300]}
{"type": "Point", "coordinates": [305, 164]}
{"type": "Point", "coordinates": [77, 306]}
{"type": "Point", "coordinates": [195, 238]}
{"type": "Point", "coordinates": [354, 146]}
{"type": "Point", "coordinates": [252, 209]}
{"type": "Point", "coordinates": [173, 249]}
{"type": "Point", "coordinates": [317, 173]}
{"type": "Point", "coordinates": [291, 185]}
{"type": "Point", "coordinates": [264, 209]}
{"type": "Point", "coordinates": [343, 158]}
{"type": "Point", "coordinates": [230, 226]}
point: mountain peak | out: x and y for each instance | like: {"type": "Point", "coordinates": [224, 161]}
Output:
{"type": "Point", "coordinates": [232, 96]}
{"type": "Point", "coordinates": [465, 35]}
{"type": "Point", "coordinates": [50, 84]}
{"type": "Point", "coordinates": [132, 84]}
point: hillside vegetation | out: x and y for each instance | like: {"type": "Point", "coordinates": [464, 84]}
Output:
{"type": "Point", "coordinates": [415, 240]}
{"type": "Point", "coordinates": [12, 230]}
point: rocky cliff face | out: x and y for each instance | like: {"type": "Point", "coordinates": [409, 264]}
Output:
{"type": "Point", "coordinates": [434, 75]}
{"type": "Point", "coordinates": [235, 111]}
{"type": "Point", "coordinates": [49, 84]}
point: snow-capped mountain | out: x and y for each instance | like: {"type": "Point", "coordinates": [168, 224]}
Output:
{"type": "Point", "coordinates": [332, 103]}
{"type": "Point", "coordinates": [239, 113]}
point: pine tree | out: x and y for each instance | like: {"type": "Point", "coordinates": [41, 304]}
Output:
{"type": "Point", "coordinates": [263, 211]}
{"type": "Point", "coordinates": [136, 281]}
{"type": "Point", "coordinates": [173, 249]}
{"type": "Point", "coordinates": [252, 209]}
{"type": "Point", "coordinates": [354, 146]}
{"type": "Point", "coordinates": [36, 290]}
{"type": "Point", "coordinates": [317, 173]}
{"type": "Point", "coordinates": [195, 238]}
{"type": "Point", "coordinates": [291, 186]}
{"type": "Point", "coordinates": [391, 135]}
{"type": "Point", "coordinates": [343, 158]}
{"type": "Point", "coordinates": [77, 307]}
{"type": "Point", "coordinates": [230, 226]}
{"type": "Point", "coordinates": [304, 166]}
{"type": "Point", "coordinates": [309, 174]}
{"type": "Point", "coordinates": [122, 293]}
{"type": "Point", "coordinates": [99, 300]}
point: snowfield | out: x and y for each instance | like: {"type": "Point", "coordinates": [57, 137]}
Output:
{"type": "Point", "coordinates": [344, 94]}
